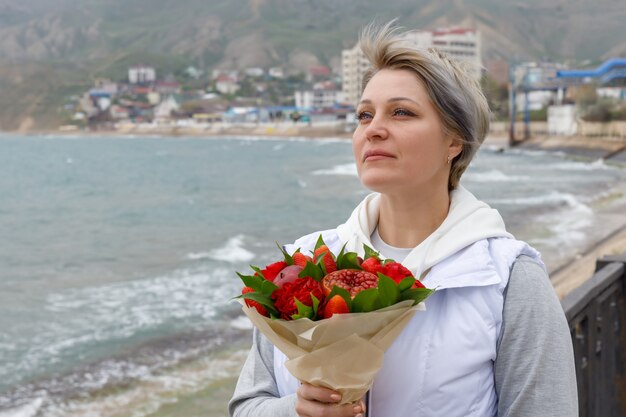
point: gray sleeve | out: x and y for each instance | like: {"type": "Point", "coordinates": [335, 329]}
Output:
{"type": "Point", "coordinates": [534, 370]}
{"type": "Point", "coordinates": [256, 394]}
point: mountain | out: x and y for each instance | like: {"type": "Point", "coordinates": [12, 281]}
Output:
{"type": "Point", "coordinates": [50, 49]}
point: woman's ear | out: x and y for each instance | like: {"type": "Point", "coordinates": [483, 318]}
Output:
{"type": "Point", "coordinates": [456, 147]}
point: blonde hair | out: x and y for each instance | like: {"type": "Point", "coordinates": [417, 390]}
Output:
{"type": "Point", "coordinates": [455, 94]}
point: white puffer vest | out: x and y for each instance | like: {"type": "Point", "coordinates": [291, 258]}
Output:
{"type": "Point", "coordinates": [442, 362]}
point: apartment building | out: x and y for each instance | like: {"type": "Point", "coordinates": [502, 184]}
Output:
{"type": "Point", "coordinates": [459, 43]}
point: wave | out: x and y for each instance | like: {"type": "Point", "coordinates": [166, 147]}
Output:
{"type": "Point", "coordinates": [551, 199]}
{"type": "Point", "coordinates": [139, 384]}
{"type": "Point", "coordinates": [344, 169]}
{"type": "Point", "coordinates": [495, 176]}
{"type": "Point", "coordinates": [26, 409]}
{"type": "Point", "coordinates": [198, 255]}
{"type": "Point", "coordinates": [232, 251]}
{"type": "Point", "coordinates": [596, 165]}
{"type": "Point", "coordinates": [98, 319]}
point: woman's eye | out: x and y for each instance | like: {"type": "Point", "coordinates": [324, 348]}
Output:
{"type": "Point", "coordinates": [363, 115]}
{"type": "Point", "coordinates": [402, 112]}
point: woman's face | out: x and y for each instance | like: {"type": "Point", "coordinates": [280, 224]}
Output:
{"type": "Point", "coordinates": [399, 143]}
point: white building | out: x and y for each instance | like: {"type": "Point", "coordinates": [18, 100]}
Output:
{"type": "Point", "coordinates": [165, 109]}
{"type": "Point", "coordinates": [353, 67]}
{"type": "Point", "coordinates": [141, 74]}
{"type": "Point", "coordinates": [318, 98]}
{"type": "Point", "coordinates": [276, 72]}
{"type": "Point", "coordinates": [254, 72]}
{"type": "Point", "coordinates": [226, 84]}
{"type": "Point", "coordinates": [461, 44]}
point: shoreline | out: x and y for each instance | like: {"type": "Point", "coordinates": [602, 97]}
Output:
{"type": "Point", "coordinates": [581, 266]}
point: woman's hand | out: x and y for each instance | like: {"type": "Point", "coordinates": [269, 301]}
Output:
{"type": "Point", "coordinates": [312, 401]}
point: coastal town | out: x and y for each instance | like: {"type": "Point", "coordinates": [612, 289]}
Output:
{"type": "Point", "coordinates": [546, 97]}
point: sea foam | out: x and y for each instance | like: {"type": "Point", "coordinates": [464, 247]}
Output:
{"type": "Point", "coordinates": [495, 176]}
{"type": "Point", "coordinates": [232, 251]}
{"type": "Point", "coordinates": [344, 169]}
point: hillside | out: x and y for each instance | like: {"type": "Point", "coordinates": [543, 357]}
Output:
{"type": "Point", "coordinates": [52, 48]}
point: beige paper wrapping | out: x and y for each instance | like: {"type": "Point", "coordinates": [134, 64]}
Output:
{"type": "Point", "coordinates": [342, 353]}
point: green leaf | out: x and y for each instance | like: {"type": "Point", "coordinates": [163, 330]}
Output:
{"type": "Point", "coordinates": [406, 283]}
{"type": "Point", "coordinates": [288, 258]}
{"type": "Point", "coordinates": [365, 301]}
{"type": "Point", "coordinates": [258, 271]}
{"type": "Point", "coordinates": [316, 304]}
{"type": "Point", "coordinates": [312, 270]}
{"type": "Point", "coordinates": [341, 254]}
{"type": "Point", "coordinates": [268, 287]}
{"type": "Point", "coordinates": [319, 242]}
{"type": "Point", "coordinates": [349, 261]}
{"type": "Point", "coordinates": [388, 261]}
{"type": "Point", "coordinates": [370, 253]}
{"type": "Point", "coordinates": [303, 310]}
{"type": "Point", "coordinates": [258, 284]}
{"type": "Point", "coordinates": [262, 299]}
{"type": "Point", "coordinates": [416, 294]}
{"type": "Point", "coordinates": [343, 293]}
{"type": "Point", "coordinates": [387, 290]}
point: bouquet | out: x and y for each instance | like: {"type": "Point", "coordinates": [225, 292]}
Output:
{"type": "Point", "coordinates": [333, 317]}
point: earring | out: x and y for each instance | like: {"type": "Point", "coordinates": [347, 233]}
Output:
{"type": "Point", "coordinates": [449, 158]}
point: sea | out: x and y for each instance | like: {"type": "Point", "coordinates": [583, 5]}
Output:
{"type": "Point", "coordinates": [118, 254]}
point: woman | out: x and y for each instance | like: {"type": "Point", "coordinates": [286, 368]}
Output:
{"type": "Point", "coordinates": [493, 340]}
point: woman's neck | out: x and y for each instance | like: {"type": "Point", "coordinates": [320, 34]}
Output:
{"type": "Point", "coordinates": [407, 220]}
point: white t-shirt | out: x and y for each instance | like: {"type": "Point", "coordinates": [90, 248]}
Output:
{"type": "Point", "coordinates": [387, 251]}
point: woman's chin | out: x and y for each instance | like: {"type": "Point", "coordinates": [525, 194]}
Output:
{"type": "Point", "coordinates": [377, 183]}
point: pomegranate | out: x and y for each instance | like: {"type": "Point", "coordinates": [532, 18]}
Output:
{"type": "Point", "coordinates": [352, 280]}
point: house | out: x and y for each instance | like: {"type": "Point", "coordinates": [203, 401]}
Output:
{"type": "Point", "coordinates": [226, 84]}
{"type": "Point", "coordinates": [254, 72]}
{"type": "Point", "coordinates": [193, 72]}
{"type": "Point", "coordinates": [165, 108]}
{"type": "Point", "coordinates": [167, 87]}
{"type": "Point", "coordinates": [119, 112]}
{"type": "Point", "coordinates": [324, 94]}
{"type": "Point", "coordinates": [318, 72]}
{"type": "Point", "coordinates": [276, 72]}
{"type": "Point", "coordinates": [141, 74]}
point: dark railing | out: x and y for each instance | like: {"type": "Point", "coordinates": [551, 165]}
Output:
{"type": "Point", "coordinates": [597, 320]}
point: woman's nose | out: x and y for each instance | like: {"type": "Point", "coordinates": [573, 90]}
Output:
{"type": "Point", "coordinates": [376, 129]}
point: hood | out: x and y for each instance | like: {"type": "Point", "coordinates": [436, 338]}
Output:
{"type": "Point", "coordinates": [469, 220]}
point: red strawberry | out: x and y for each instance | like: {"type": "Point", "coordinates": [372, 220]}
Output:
{"type": "Point", "coordinates": [301, 259]}
{"type": "Point", "coordinates": [372, 265]}
{"type": "Point", "coordinates": [327, 259]}
{"type": "Point", "coordinates": [336, 305]}
{"type": "Point", "coordinates": [396, 271]}
{"type": "Point", "coordinates": [251, 303]}
{"type": "Point", "coordinates": [418, 284]}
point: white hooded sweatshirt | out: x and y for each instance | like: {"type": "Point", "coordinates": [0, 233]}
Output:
{"type": "Point", "coordinates": [442, 362]}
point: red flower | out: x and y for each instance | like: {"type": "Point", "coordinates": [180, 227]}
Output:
{"type": "Point", "coordinates": [302, 288]}
{"type": "Point", "coordinates": [272, 270]}
{"type": "Point", "coordinates": [396, 271]}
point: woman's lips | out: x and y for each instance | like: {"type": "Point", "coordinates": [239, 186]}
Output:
{"type": "Point", "coordinates": [376, 155]}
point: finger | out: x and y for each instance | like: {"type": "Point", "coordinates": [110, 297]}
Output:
{"type": "Point", "coordinates": [315, 408]}
{"type": "Point", "coordinates": [321, 394]}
